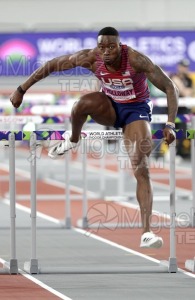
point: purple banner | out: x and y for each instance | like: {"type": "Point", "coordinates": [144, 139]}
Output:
{"type": "Point", "coordinates": [22, 53]}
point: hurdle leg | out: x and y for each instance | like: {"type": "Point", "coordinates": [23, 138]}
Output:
{"type": "Point", "coordinates": [12, 266]}
{"type": "Point", "coordinates": [102, 168]}
{"type": "Point", "coordinates": [121, 171]}
{"type": "Point", "coordinates": [67, 201]}
{"type": "Point", "coordinates": [67, 223]}
{"type": "Point", "coordinates": [172, 268]}
{"type": "Point", "coordinates": [190, 263]}
{"type": "Point", "coordinates": [193, 176]}
{"type": "Point", "coordinates": [32, 266]}
{"type": "Point", "coordinates": [84, 163]}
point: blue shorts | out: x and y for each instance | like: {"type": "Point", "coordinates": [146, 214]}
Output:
{"type": "Point", "coordinates": [129, 112]}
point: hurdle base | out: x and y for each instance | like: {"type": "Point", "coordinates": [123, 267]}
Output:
{"type": "Point", "coordinates": [190, 265]}
{"type": "Point", "coordinates": [31, 266]}
{"type": "Point", "coordinates": [68, 223]}
{"type": "Point", "coordinates": [11, 266]}
{"type": "Point", "coordinates": [171, 264]}
{"type": "Point", "coordinates": [83, 223]}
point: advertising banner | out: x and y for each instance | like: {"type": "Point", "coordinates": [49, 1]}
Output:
{"type": "Point", "coordinates": [22, 53]}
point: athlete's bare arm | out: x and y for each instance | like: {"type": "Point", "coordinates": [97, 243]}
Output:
{"type": "Point", "coordinates": [154, 73]}
{"type": "Point", "coordinates": [84, 58]}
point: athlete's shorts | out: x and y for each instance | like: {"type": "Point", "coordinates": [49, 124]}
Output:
{"type": "Point", "coordinates": [129, 112]}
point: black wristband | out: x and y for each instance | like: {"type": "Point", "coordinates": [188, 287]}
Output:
{"type": "Point", "coordinates": [20, 90]}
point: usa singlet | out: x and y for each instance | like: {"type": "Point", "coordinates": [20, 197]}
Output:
{"type": "Point", "coordinates": [124, 85]}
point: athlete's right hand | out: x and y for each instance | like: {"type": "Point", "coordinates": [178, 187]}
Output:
{"type": "Point", "coordinates": [16, 98]}
{"type": "Point", "coordinates": [169, 135]}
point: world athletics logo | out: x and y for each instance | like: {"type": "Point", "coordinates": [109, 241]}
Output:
{"type": "Point", "coordinates": [16, 57]}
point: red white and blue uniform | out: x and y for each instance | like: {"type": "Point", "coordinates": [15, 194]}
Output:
{"type": "Point", "coordinates": [127, 90]}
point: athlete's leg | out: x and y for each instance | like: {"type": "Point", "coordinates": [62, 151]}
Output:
{"type": "Point", "coordinates": [98, 106]}
{"type": "Point", "coordinates": [138, 142]}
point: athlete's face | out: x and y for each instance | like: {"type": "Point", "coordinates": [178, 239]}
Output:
{"type": "Point", "coordinates": [109, 48]}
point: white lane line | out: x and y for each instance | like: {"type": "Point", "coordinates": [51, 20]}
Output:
{"type": "Point", "coordinates": [117, 245]}
{"type": "Point", "coordinates": [28, 211]}
{"type": "Point", "coordinates": [72, 187]}
{"type": "Point", "coordinates": [26, 174]}
{"type": "Point", "coordinates": [155, 212]}
{"type": "Point", "coordinates": [110, 173]}
{"type": "Point", "coordinates": [165, 186]}
{"type": "Point", "coordinates": [96, 169]}
{"type": "Point", "coordinates": [114, 174]}
{"type": "Point", "coordinates": [46, 287]}
{"type": "Point", "coordinates": [86, 233]}
{"type": "Point", "coordinates": [41, 284]}
{"type": "Point", "coordinates": [19, 172]}
{"type": "Point", "coordinates": [96, 237]}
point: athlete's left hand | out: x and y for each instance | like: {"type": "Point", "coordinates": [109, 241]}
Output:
{"type": "Point", "coordinates": [169, 135]}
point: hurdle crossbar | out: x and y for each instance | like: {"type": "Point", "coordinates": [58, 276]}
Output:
{"type": "Point", "coordinates": [85, 134]}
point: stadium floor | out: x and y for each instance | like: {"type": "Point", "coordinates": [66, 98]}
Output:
{"type": "Point", "coordinates": [101, 262]}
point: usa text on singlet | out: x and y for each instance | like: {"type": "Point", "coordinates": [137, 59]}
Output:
{"type": "Point", "coordinates": [124, 85]}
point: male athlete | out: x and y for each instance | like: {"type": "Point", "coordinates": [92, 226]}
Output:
{"type": "Point", "coordinates": [122, 102]}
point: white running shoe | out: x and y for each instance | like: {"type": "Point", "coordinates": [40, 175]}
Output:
{"type": "Point", "coordinates": [150, 240]}
{"type": "Point", "coordinates": [59, 150]}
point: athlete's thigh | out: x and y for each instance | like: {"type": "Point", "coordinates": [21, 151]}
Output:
{"type": "Point", "coordinates": [100, 108]}
{"type": "Point", "coordinates": [138, 139]}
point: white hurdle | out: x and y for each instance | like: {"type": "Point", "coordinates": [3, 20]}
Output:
{"type": "Point", "coordinates": [190, 263]}
{"type": "Point", "coordinates": [12, 265]}
{"type": "Point", "coordinates": [172, 265]}
{"type": "Point", "coordinates": [32, 266]}
{"type": "Point", "coordinates": [193, 173]}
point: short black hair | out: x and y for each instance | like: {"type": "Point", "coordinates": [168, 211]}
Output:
{"type": "Point", "coordinates": [108, 31]}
